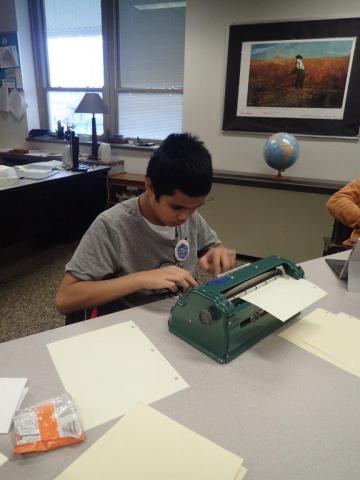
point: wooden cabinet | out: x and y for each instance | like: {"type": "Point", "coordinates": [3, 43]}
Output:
{"type": "Point", "coordinates": [125, 185]}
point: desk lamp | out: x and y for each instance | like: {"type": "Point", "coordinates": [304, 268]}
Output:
{"type": "Point", "coordinates": [92, 103]}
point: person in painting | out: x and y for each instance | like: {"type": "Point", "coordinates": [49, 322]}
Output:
{"type": "Point", "coordinates": [300, 71]}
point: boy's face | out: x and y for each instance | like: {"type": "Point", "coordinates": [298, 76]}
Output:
{"type": "Point", "coordinates": [173, 210]}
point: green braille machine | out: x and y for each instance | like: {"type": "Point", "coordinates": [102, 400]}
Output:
{"type": "Point", "coordinates": [214, 317]}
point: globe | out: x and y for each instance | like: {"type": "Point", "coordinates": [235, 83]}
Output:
{"type": "Point", "coordinates": [281, 151]}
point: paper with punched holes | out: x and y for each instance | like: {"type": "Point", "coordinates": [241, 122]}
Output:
{"type": "Point", "coordinates": [146, 444]}
{"type": "Point", "coordinates": [108, 370]}
{"type": "Point", "coordinates": [332, 337]}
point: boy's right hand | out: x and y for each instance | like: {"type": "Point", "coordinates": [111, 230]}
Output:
{"type": "Point", "coordinates": [167, 277]}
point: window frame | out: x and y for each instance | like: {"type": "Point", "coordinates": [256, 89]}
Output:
{"type": "Point", "coordinates": [112, 87]}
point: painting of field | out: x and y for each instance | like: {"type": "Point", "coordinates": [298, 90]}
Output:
{"type": "Point", "coordinates": [272, 77]}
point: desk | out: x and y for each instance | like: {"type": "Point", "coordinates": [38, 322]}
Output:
{"type": "Point", "coordinates": [289, 414]}
{"type": "Point", "coordinates": [62, 205]}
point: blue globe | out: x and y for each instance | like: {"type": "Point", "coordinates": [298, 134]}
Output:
{"type": "Point", "coordinates": [281, 151]}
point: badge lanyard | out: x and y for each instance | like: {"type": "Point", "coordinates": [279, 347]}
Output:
{"type": "Point", "coordinates": [182, 248]}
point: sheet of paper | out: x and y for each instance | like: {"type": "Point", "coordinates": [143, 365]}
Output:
{"type": "Point", "coordinates": [11, 390]}
{"type": "Point", "coordinates": [22, 397]}
{"type": "Point", "coordinates": [17, 104]}
{"type": "Point", "coordinates": [9, 57]}
{"type": "Point", "coordinates": [4, 99]}
{"type": "Point", "coordinates": [109, 370]}
{"type": "Point", "coordinates": [24, 171]}
{"type": "Point", "coordinates": [346, 315]}
{"type": "Point", "coordinates": [37, 154]}
{"type": "Point", "coordinates": [319, 353]}
{"type": "Point", "coordinates": [241, 474]}
{"type": "Point", "coordinates": [285, 297]}
{"type": "Point", "coordinates": [148, 445]}
{"type": "Point", "coordinates": [332, 337]}
{"type": "Point", "coordinates": [3, 459]}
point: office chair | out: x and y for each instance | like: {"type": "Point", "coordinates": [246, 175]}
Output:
{"type": "Point", "coordinates": [340, 232]}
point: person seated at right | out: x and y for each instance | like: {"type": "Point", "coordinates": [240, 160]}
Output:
{"type": "Point", "coordinates": [344, 205]}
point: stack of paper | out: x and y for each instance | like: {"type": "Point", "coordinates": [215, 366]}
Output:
{"type": "Point", "coordinates": [332, 337]}
{"type": "Point", "coordinates": [148, 445]}
{"type": "Point", "coordinates": [3, 459]}
{"type": "Point", "coordinates": [34, 172]}
{"type": "Point", "coordinates": [12, 393]}
{"type": "Point", "coordinates": [109, 370]}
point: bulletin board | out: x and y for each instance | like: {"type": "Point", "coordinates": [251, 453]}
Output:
{"type": "Point", "coordinates": [10, 69]}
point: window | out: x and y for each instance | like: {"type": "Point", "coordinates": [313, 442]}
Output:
{"type": "Point", "coordinates": [75, 59]}
{"type": "Point", "coordinates": [151, 64]}
{"type": "Point", "coordinates": [138, 66]}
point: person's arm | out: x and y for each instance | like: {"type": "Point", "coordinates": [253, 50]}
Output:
{"type": "Point", "coordinates": [75, 294]}
{"type": "Point", "coordinates": [344, 204]}
{"type": "Point", "coordinates": [218, 258]}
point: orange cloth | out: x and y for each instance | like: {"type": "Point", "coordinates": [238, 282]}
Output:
{"type": "Point", "coordinates": [344, 205]}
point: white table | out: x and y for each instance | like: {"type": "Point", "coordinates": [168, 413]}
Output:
{"type": "Point", "coordinates": [289, 414]}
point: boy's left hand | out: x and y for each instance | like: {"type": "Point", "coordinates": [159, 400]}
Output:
{"type": "Point", "coordinates": [218, 260]}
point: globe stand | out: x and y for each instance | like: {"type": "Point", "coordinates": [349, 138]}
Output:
{"type": "Point", "coordinates": [279, 176]}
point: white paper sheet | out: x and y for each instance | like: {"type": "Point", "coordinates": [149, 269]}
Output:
{"type": "Point", "coordinates": [22, 397]}
{"type": "Point", "coordinates": [109, 370]}
{"type": "Point", "coordinates": [241, 474]}
{"type": "Point", "coordinates": [285, 297]}
{"type": "Point", "coordinates": [9, 57]}
{"type": "Point", "coordinates": [25, 171]}
{"type": "Point", "coordinates": [11, 391]}
{"type": "Point", "coordinates": [334, 338]}
{"type": "Point", "coordinates": [17, 104]}
{"type": "Point", "coordinates": [4, 99]}
{"type": "Point", "coordinates": [37, 154]}
{"type": "Point", "coordinates": [148, 445]}
{"type": "Point", "coordinates": [3, 459]}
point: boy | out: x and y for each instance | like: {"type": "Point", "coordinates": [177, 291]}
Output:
{"type": "Point", "coordinates": [141, 249]}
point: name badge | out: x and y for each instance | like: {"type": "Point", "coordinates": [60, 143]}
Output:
{"type": "Point", "coordinates": [182, 249]}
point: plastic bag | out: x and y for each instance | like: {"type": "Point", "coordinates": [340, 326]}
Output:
{"type": "Point", "coordinates": [51, 424]}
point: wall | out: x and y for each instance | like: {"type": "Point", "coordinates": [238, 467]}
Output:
{"type": "Point", "coordinates": [27, 63]}
{"type": "Point", "coordinates": [259, 222]}
{"type": "Point", "coordinates": [12, 132]}
{"type": "Point", "coordinates": [207, 26]}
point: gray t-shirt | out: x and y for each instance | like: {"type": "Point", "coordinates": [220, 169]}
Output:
{"type": "Point", "coordinates": [120, 242]}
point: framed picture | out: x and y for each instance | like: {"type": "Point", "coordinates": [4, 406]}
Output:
{"type": "Point", "coordinates": [297, 77]}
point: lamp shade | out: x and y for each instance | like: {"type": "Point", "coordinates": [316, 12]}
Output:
{"type": "Point", "coordinates": [91, 103]}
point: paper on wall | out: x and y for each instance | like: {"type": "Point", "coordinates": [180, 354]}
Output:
{"type": "Point", "coordinates": [146, 444]}
{"type": "Point", "coordinates": [107, 371]}
{"type": "Point", "coordinates": [9, 57]}
{"type": "Point", "coordinates": [285, 297]}
{"type": "Point", "coordinates": [17, 104]}
{"type": "Point", "coordinates": [4, 99]}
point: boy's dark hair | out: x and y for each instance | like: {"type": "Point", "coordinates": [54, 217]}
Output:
{"type": "Point", "coordinates": [183, 163]}
{"type": "Point", "coordinates": [299, 56]}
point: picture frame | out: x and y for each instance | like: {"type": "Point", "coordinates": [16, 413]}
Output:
{"type": "Point", "coordinates": [300, 77]}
